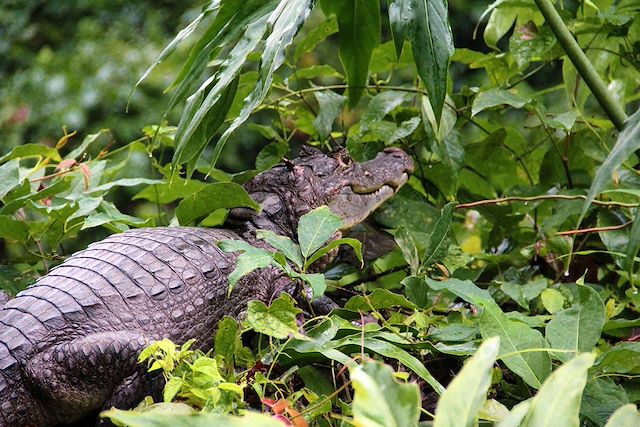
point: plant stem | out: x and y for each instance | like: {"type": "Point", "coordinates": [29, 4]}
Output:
{"type": "Point", "coordinates": [582, 64]}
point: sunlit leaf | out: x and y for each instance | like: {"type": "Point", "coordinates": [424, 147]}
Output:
{"type": "Point", "coordinates": [315, 228]}
{"type": "Point", "coordinates": [214, 196]}
{"type": "Point", "coordinates": [465, 395]}
{"type": "Point", "coordinates": [277, 320]}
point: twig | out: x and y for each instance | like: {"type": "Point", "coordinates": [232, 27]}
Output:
{"type": "Point", "coordinates": [545, 197]}
{"type": "Point", "coordinates": [594, 229]}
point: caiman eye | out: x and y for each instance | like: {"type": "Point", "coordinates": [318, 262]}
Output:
{"type": "Point", "coordinates": [344, 160]}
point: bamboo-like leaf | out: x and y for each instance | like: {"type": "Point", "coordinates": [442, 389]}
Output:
{"type": "Point", "coordinates": [426, 24]}
{"type": "Point", "coordinates": [284, 23]}
{"type": "Point", "coordinates": [628, 141]}
{"type": "Point", "coordinates": [359, 34]}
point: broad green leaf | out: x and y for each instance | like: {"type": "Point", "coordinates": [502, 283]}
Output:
{"type": "Point", "coordinates": [633, 246]}
{"type": "Point", "coordinates": [557, 403]}
{"type": "Point", "coordinates": [601, 397]}
{"type": "Point", "coordinates": [355, 244]}
{"type": "Point", "coordinates": [277, 320]}
{"type": "Point", "coordinates": [426, 24]}
{"type": "Point", "coordinates": [438, 235]}
{"type": "Point", "coordinates": [330, 104]}
{"type": "Point", "coordinates": [168, 192]}
{"type": "Point", "coordinates": [27, 151]}
{"type": "Point", "coordinates": [359, 34]}
{"type": "Point", "coordinates": [125, 182]}
{"type": "Point", "coordinates": [380, 400]}
{"type": "Point", "coordinates": [316, 71]}
{"type": "Point", "coordinates": [378, 299]}
{"type": "Point", "coordinates": [416, 290]}
{"type": "Point", "coordinates": [214, 196]}
{"type": "Point", "coordinates": [227, 341]}
{"type": "Point", "coordinates": [11, 228]}
{"type": "Point", "coordinates": [552, 300]}
{"type": "Point", "coordinates": [284, 23]}
{"type": "Point", "coordinates": [532, 367]}
{"type": "Point", "coordinates": [9, 177]}
{"type": "Point", "coordinates": [56, 188]}
{"type": "Point", "coordinates": [523, 294]}
{"type": "Point", "coordinates": [251, 259]}
{"type": "Point", "coordinates": [381, 105]}
{"type": "Point", "coordinates": [171, 388]}
{"type": "Point", "coordinates": [315, 228]}
{"type": "Point", "coordinates": [86, 142]}
{"type": "Point", "coordinates": [516, 415]}
{"type": "Point", "coordinates": [577, 328]}
{"type": "Point", "coordinates": [112, 218]}
{"type": "Point", "coordinates": [315, 36]}
{"type": "Point", "coordinates": [200, 419]}
{"type": "Point", "coordinates": [462, 400]}
{"type": "Point", "coordinates": [317, 283]}
{"type": "Point", "coordinates": [623, 358]}
{"type": "Point", "coordinates": [289, 248]}
{"type": "Point", "coordinates": [628, 141]}
{"type": "Point", "coordinates": [625, 416]}
{"type": "Point", "coordinates": [495, 97]}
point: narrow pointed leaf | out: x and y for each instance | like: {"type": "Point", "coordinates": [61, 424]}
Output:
{"type": "Point", "coordinates": [557, 403]}
{"type": "Point", "coordinates": [467, 392]}
{"type": "Point", "coordinates": [359, 34]}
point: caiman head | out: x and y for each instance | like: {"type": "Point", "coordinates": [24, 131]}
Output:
{"type": "Point", "coordinates": [350, 189]}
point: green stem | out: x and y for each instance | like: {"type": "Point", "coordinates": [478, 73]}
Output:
{"type": "Point", "coordinates": [582, 64]}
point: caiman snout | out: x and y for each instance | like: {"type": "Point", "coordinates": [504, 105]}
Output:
{"type": "Point", "coordinates": [399, 155]}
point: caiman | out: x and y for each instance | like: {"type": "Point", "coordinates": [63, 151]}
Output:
{"type": "Point", "coordinates": [69, 343]}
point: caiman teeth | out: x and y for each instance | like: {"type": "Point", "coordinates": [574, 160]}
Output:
{"type": "Point", "coordinates": [393, 184]}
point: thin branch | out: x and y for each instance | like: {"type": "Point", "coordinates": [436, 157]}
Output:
{"type": "Point", "coordinates": [594, 229]}
{"type": "Point", "coordinates": [545, 197]}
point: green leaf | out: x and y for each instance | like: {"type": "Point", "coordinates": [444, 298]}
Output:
{"type": "Point", "coordinates": [168, 192]}
{"type": "Point", "coordinates": [557, 403]}
{"type": "Point", "coordinates": [251, 259]}
{"type": "Point", "coordinates": [315, 228]}
{"type": "Point", "coordinates": [523, 294]}
{"type": "Point", "coordinates": [381, 105]}
{"type": "Point", "coordinates": [27, 151]}
{"type": "Point", "coordinates": [625, 416]}
{"type": "Point", "coordinates": [495, 97]}
{"type": "Point", "coordinates": [330, 107]}
{"type": "Point", "coordinates": [227, 340]}
{"type": "Point", "coordinates": [407, 244]}
{"type": "Point", "coordinates": [317, 283]}
{"type": "Point", "coordinates": [532, 367]}
{"type": "Point", "coordinates": [378, 299]}
{"type": "Point", "coordinates": [11, 228]}
{"type": "Point", "coordinates": [601, 397]}
{"type": "Point", "coordinates": [628, 141]}
{"type": "Point", "coordinates": [552, 300]}
{"type": "Point", "coordinates": [359, 34]}
{"type": "Point", "coordinates": [9, 177]}
{"type": "Point", "coordinates": [416, 290]}
{"type": "Point", "coordinates": [577, 328]}
{"type": "Point", "coordinates": [354, 243]}
{"type": "Point", "coordinates": [516, 415]}
{"type": "Point", "coordinates": [289, 248]}
{"type": "Point", "coordinates": [380, 400]}
{"type": "Point", "coordinates": [125, 182]}
{"type": "Point", "coordinates": [633, 246]}
{"type": "Point", "coordinates": [283, 22]}
{"type": "Point", "coordinates": [200, 419]}
{"type": "Point", "coordinates": [214, 196]}
{"type": "Point", "coordinates": [315, 36]}
{"type": "Point", "coordinates": [278, 320]}
{"type": "Point", "coordinates": [438, 235]}
{"type": "Point", "coordinates": [462, 400]}
{"type": "Point", "coordinates": [86, 142]}
{"type": "Point", "coordinates": [56, 188]}
{"type": "Point", "coordinates": [623, 358]}
{"type": "Point", "coordinates": [171, 388]}
{"type": "Point", "coordinates": [113, 219]}
{"type": "Point", "coordinates": [426, 24]}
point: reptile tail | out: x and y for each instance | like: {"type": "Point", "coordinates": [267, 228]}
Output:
{"type": "Point", "coordinates": [18, 407]}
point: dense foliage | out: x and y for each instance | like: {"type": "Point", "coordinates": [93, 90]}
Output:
{"type": "Point", "coordinates": [508, 259]}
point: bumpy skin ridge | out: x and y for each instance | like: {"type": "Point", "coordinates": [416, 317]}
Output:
{"type": "Point", "coordinates": [132, 288]}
